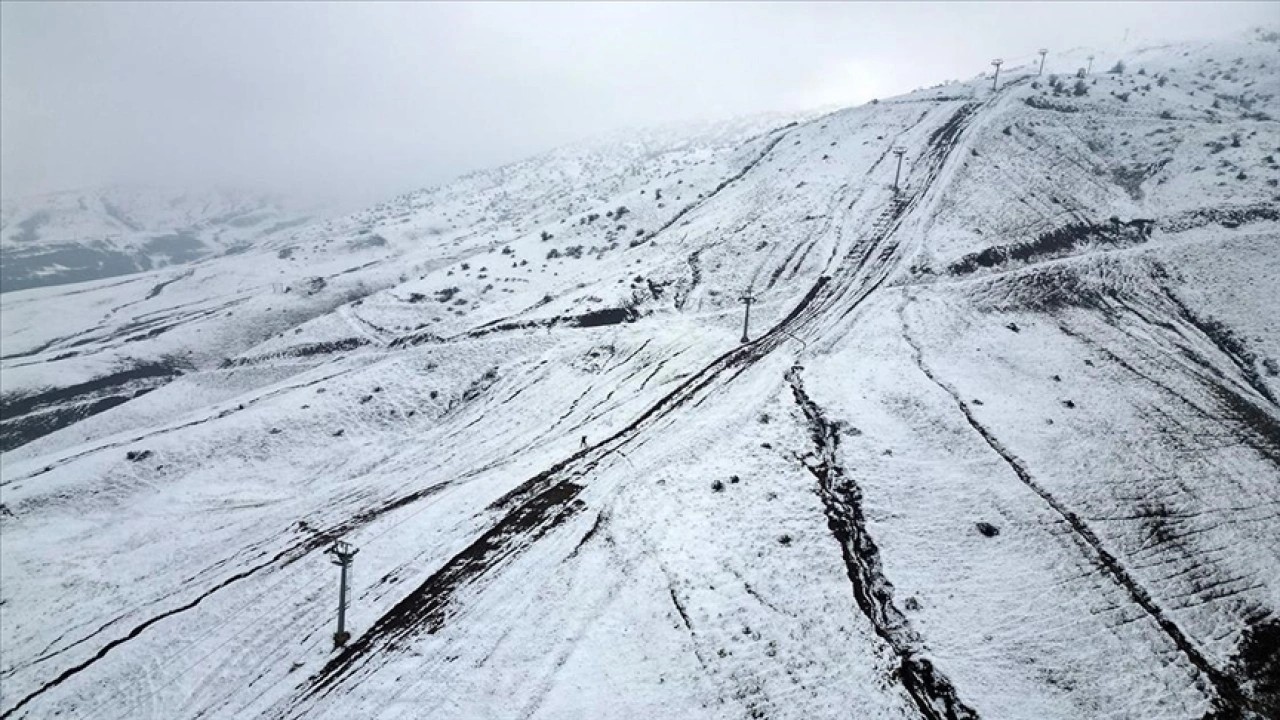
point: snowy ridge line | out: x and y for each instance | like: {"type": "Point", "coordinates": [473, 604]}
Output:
{"type": "Point", "coordinates": [929, 688]}
{"type": "Point", "coordinates": [1224, 692]}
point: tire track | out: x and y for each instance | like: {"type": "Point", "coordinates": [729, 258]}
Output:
{"type": "Point", "coordinates": [1224, 692]}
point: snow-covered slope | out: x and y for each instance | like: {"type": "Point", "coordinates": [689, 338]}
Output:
{"type": "Point", "coordinates": [73, 237]}
{"type": "Point", "coordinates": [1001, 443]}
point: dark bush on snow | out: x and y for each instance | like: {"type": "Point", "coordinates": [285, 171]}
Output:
{"type": "Point", "coordinates": [1118, 68]}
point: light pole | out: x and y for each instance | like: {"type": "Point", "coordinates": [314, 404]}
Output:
{"type": "Point", "coordinates": [1043, 52]}
{"type": "Point", "coordinates": [343, 553]}
{"type": "Point", "coordinates": [995, 81]}
{"type": "Point", "coordinates": [1090, 70]}
{"type": "Point", "coordinates": [746, 319]}
{"type": "Point", "coordinates": [899, 151]}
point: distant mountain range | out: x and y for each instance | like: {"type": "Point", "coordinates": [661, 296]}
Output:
{"type": "Point", "coordinates": [75, 236]}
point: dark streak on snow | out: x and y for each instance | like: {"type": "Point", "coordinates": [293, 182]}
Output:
{"type": "Point", "coordinates": [929, 688]}
{"type": "Point", "coordinates": [297, 550]}
{"type": "Point", "coordinates": [715, 191]}
{"type": "Point", "coordinates": [1226, 693]}
{"type": "Point", "coordinates": [424, 610]}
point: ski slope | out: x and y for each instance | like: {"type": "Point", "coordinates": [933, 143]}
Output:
{"type": "Point", "coordinates": [1003, 442]}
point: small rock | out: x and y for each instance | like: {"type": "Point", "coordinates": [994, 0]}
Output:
{"type": "Point", "coordinates": [988, 529]}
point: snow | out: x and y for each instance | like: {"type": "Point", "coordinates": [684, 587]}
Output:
{"type": "Point", "coordinates": [576, 492]}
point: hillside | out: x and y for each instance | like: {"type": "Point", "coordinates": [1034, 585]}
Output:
{"type": "Point", "coordinates": [78, 236]}
{"type": "Point", "coordinates": [1003, 442]}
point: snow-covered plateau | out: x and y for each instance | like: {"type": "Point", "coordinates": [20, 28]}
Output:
{"type": "Point", "coordinates": [1001, 442]}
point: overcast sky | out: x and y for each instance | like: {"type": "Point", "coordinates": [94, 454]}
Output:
{"type": "Point", "coordinates": [371, 100]}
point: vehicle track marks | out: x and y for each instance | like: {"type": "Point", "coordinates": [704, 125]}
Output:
{"type": "Point", "coordinates": [1223, 690]}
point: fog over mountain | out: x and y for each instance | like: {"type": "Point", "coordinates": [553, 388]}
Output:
{"type": "Point", "coordinates": [643, 388]}
{"type": "Point", "coordinates": [360, 102]}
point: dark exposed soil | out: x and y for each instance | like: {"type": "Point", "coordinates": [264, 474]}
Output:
{"type": "Point", "coordinates": [27, 416]}
{"type": "Point", "coordinates": [1056, 243]}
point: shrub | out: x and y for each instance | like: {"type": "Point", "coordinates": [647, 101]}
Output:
{"type": "Point", "coordinates": [546, 236]}
{"type": "Point", "coordinates": [553, 254]}
{"type": "Point", "coordinates": [1118, 68]}
{"type": "Point", "coordinates": [1166, 115]}
{"type": "Point", "coordinates": [1162, 81]}
{"type": "Point", "coordinates": [1080, 88]}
